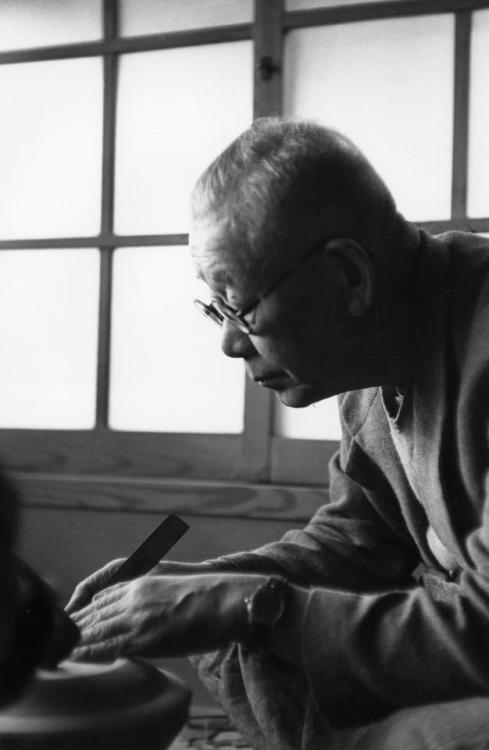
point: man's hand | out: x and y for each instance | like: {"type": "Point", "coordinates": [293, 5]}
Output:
{"type": "Point", "coordinates": [97, 581]}
{"type": "Point", "coordinates": [165, 615]}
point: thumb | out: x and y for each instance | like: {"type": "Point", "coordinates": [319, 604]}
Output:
{"type": "Point", "coordinates": [84, 591]}
{"type": "Point", "coordinates": [77, 600]}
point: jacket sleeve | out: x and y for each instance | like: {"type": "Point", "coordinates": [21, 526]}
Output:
{"type": "Point", "coordinates": [374, 642]}
{"type": "Point", "coordinates": [349, 544]}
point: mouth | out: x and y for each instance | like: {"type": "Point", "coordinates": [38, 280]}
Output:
{"type": "Point", "coordinates": [276, 380]}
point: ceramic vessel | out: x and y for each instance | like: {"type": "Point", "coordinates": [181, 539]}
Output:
{"type": "Point", "coordinates": [126, 705]}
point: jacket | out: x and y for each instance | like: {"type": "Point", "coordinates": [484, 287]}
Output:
{"type": "Point", "coordinates": [412, 464]}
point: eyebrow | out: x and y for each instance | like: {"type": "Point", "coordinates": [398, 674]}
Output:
{"type": "Point", "coordinates": [220, 277]}
{"type": "Point", "coordinates": [217, 279]}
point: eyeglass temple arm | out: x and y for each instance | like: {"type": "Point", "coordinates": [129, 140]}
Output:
{"type": "Point", "coordinates": [290, 271]}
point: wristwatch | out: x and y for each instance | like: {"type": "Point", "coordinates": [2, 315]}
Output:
{"type": "Point", "coordinates": [264, 609]}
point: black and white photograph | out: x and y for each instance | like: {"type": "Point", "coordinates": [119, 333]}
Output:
{"type": "Point", "coordinates": [244, 374]}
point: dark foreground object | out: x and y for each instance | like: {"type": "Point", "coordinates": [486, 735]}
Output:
{"type": "Point", "coordinates": [127, 705]}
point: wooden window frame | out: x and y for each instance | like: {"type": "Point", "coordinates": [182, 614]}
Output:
{"type": "Point", "coordinates": [255, 474]}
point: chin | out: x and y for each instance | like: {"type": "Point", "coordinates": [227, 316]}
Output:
{"type": "Point", "coordinates": [300, 395]}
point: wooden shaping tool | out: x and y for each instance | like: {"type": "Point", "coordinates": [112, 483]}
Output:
{"type": "Point", "coordinates": [150, 552]}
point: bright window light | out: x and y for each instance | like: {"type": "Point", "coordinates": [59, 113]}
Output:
{"type": "Point", "coordinates": [167, 370]}
{"type": "Point", "coordinates": [478, 183]}
{"type": "Point", "coordinates": [155, 16]}
{"type": "Point", "coordinates": [388, 85]}
{"type": "Point", "coordinates": [177, 110]}
{"type": "Point", "coordinates": [39, 23]}
{"type": "Point", "coordinates": [319, 421]}
{"type": "Point", "coordinates": [48, 335]}
{"type": "Point", "coordinates": [51, 152]}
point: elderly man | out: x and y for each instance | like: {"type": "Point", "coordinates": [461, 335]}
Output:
{"type": "Point", "coordinates": [369, 628]}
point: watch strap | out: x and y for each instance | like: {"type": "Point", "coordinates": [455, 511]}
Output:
{"type": "Point", "coordinates": [261, 632]}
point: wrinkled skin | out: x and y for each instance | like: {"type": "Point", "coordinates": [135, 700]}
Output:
{"type": "Point", "coordinates": [315, 335]}
{"type": "Point", "coordinates": [164, 615]}
{"type": "Point", "coordinates": [95, 582]}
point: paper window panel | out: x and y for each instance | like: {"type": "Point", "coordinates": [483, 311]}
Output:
{"type": "Point", "coordinates": [177, 110]}
{"type": "Point", "coordinates": [47, 23]}
{"type": "Point", "coordinates": [394, 99]}
{"type": "Point", "coordinates": [168, 373]}
{"type": "Point", "coordinates": [478, 176]}
{"type": "Point", "coordinates": [319, 421]}
{"type": "Point", "coordinates": [154, 16]}
{"type": "Point", "coordinates": [50, 159]}
{"type": "Point", "coordinates": [48, 334]}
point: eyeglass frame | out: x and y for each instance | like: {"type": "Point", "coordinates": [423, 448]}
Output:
{"type": "Point", "coordinates": [218, 311]}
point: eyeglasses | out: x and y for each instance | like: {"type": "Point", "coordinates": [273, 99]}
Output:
{"type": "Point", "coordinates": [218, 311]}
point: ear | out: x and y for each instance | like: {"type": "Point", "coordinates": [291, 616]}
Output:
{"type": "Point", "coordinates": [355, 272]}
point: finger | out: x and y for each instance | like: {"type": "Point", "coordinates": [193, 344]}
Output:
{"type": "Point", "coordinates": [112, 593]}
{"type": "Point", "coordinates": [97, 611]}
{"type": "Point", "coordinates": [87, 596]}
{"type": "Point", "coordinates": [171, 567]}
{"type": "Point", "coordinates": [106, 597]}
{"type": "Point", "coordinates": [89, 587]}
{"type": "Point", "coordinates": [83, 593]}
{"type": "Point", "coordinates": [105, 631]}
{"type": "Point", "coordinates": [103, 641]}
{"type": "Point", "coordinates": [95, 617]}
{"type": "Point", "coordinates": [98, 652]}
{"type": "Point", "coordinates": [80, 596]}
{"type": "Point", "coordinates": [83, 614]}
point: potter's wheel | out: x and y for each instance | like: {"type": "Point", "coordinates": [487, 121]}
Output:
{"type": "Point", "coordinates": [80, 706]}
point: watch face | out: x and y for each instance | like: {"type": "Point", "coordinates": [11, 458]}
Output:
{"type": "Point", "coordinates": [267, 607]}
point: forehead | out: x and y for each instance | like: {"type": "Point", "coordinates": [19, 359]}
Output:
{"type": "Point", "coordinates": [217, 259]}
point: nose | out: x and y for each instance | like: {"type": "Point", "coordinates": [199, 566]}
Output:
{"type": "Point", "coordinates": [235, 343]}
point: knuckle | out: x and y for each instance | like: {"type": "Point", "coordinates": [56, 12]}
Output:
{"type": "Point", "coordinates": [138, 621]}
{"type": "Point", "coordinates": [134, 605]}
{"type": "Point", "coordinates": [116, 645]}
{"type": "Point", "coordinates": [98, 601]}
{"type": "Point", "coordinates": [134, 590]}
{"type": "Point", "coordinates": [112, 566]}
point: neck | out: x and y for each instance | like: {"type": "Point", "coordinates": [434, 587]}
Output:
{"type": "Point", "coordinates": [392, 338]}
{"type": "Point", "coordinates": [378, 353]}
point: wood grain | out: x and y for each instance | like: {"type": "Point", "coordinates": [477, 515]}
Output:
{"type": "Point", "coordinates": [199, 498]}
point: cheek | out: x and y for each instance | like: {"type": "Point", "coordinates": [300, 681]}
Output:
{"type": "Point", "coordinates": [283, 351]}
{"type": "Point", "coordinates": [297, 331]}
{"type": "Point", "coordinates": [267, 348]}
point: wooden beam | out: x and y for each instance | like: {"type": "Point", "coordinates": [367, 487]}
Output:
{"type": "Point", "coordinates": [107, 217]}
{"type": "Point", "coordinates": [126, 45]}
{"type": "Point", "coordinates": [268, 58]}
{"type": "Point", "coordinates": [461, 92]}
{"type": "Point", "coordinates": [198, 498]}
{"type": "Point", "coordinates": [103, 339]}
{"type": "Point", "coordinates": [103, 240]}
{"type": "Point", "coordinates": [464, 224]}
{"type": "Point", "coordinates": [109, 111]}
{"type": "Point", "coordinates": [126, 454]}
{"type": "Point", "coordinates": [376, 10]}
